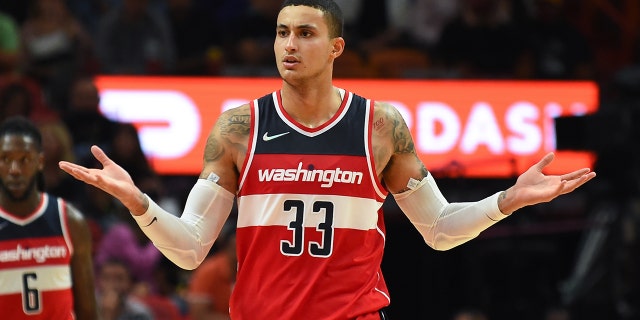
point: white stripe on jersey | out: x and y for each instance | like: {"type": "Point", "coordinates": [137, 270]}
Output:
{"type": "Point", "coordinates": [255, 117]}
{"type": "Point", "coordinates": [48, 278]}
{"type": "Point", "coordinates": [370, 158]}
{"type": "Point", "coordinates": [349, 212]}
{"type": "Point", "coordinates": [63, 223]}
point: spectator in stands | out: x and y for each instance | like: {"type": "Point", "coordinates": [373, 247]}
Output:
{"type": "Point", "coordinates": [134, 39]}
{"type": "Point", "coordinates": [167, 302]}
{"type": "Point", "coordinates": [87, 124]}
{"type": "Point", "coordinates": [22, 96]}
{"type": "Point", "coordinates": [55, 46]}
{"type": "Point", "coordinates": [9, 44]}
{"type": "Point", "coordinates": [249, 48]}
{"type": "Point", "coordinates": [114, 285]}
{"type": "Point", "coordinates": [90, 11]}
{"type": "Point", "coordinates": [211, 283]}
{"type": "Point", "coordinates": [57, 146]}
{"type": "Point", "coordinates": [377, 24]}
{"type": "Point", "coordinates": [126, 147]}
{"type": "Point", "coordinates": [428, 18]}
{"type": "Point", "coordinates": [15, 99]}
{"type": "Point", "coordinates": [557, 49]}
{"type": "Point", "coordinates": [483, 41]}
{"type": "Point", "coordinates": [198, 45]}
{"type": "Point", "coordinates": [101, 210]}
{"type": "Point", "coordinates": [122, 241]}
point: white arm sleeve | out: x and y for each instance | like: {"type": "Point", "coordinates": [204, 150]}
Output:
{"type": "Point", "coordinates": [186, 240]}
{"type": "Point", "coordinates": [445, 225]}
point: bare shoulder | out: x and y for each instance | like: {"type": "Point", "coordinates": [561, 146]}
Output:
{"type": "Point", "coordinates": [74, 215]}
{"type": "Point", "coordinates": [393, 148]}
{"type": "Point", "coordinates": [390, 130]}
{"type": "Point", "coordinates": [227, 145]}
{"type": "Point", "coordinates": [234, 122]}
{"type": "Point", "coordinates": [240, 116]}
{"type": "Point", "coordinates": [384, 110]}
{"type": "Point", "coordinates": [78, 226]}
{"type": "Point", "coordinates": [387, 122]}
{"type": "Point", "coordinates": [232, 127]}
{"type": "Point", "coordinates": [389, 134]}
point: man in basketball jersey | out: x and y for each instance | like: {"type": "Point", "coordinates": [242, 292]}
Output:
{"type": "Point", "coordinates": [310, 166]}
{"type": "Point", "coordinates": [45, 244]}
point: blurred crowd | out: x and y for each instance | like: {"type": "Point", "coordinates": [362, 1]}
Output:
{"type": "Point", "coordinates": [51, 49]}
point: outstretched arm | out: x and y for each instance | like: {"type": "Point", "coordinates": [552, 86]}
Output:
{"type": "Point", "coordinates": [445, 225]}
{"type": "Point", "coordinates": [187, 239]}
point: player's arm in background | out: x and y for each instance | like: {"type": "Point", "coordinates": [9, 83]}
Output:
{"type": "Point", "coordinates": [84, 295]}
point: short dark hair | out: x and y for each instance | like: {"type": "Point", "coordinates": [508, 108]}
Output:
{"type": "Point", "coordinates": [330, 9]}
{"type": "Point", "coordinates": [20, 125]}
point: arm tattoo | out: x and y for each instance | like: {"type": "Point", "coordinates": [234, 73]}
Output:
{"type": "Point", "coordinates": [402, 140]}
{"type": "Point", "coordinates": [213, 150]}
{"type": "Point", "coordinates": [423, 170]}
{"type": "Point", "coordinates": [502, 196]}
{"type": "Point", "coordinates": [395, 143]}
{"type": "Point", "coordinates": [403, 143]}
{"type": "Point", "coordinates": [238, 123]}
{"type": "Point", "coordinates": [236, 131]}
{"type": "Point", "coordinates": [232, 130]}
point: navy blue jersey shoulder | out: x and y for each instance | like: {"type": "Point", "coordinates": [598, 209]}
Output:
{"type": "Point", "coordinates": [344, 138]}
{"type": "Point", "coordinates": [46, 225]}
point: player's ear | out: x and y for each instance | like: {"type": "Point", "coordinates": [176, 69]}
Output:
{"type": "Point", "coordinates": [337, 47]}
{"type": "Point", "coordinates": [40, 161]}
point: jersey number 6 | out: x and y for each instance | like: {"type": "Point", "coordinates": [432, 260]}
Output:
{"type": "Point", "coordinates": [30, 296]}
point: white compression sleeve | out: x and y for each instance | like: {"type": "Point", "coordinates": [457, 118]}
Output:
{"type": "Point", "coordinates": [186, 240]}
{"type": "Point", "coordinates": [444, 225]}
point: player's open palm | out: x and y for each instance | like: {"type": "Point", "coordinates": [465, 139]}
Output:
{"type": "Point", "coordinates": [112, 178]}
{"type": "Point", "coordinates": [533, 186]}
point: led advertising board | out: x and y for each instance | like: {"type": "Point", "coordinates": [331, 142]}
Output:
{"type": "Point", "coordinates": [480, 129]}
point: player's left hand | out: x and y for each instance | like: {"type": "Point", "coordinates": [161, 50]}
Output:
{"type": "Point", "coordinates": [533, 186]}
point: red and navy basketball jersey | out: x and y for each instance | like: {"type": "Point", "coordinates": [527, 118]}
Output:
{"type": "Point", "coordinates": [310, 230]}
{"type": "Point", "coordinates": [35, 256]}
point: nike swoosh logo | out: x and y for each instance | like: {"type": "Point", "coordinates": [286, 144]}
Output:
{"type": "Point", "coordinates": [152, 221]}
{"type": "Point", "coordinates": [267, 137]}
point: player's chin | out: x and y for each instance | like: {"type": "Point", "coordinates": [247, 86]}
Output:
{"type": "Point", "coordinates": [290, 76]}
{"type": "Point", "coordinates": [17, 194]}
{"type": "Point", "coordinates": [284, 71]}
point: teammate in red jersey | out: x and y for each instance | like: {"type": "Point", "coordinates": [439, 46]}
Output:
{"type": "Point", "coordinates": [310, 172]}
{"type": "Point", "coordinates": [45, 244]}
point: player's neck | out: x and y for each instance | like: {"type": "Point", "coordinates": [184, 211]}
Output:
{"type": "Point", "coordinates": [23, 207]}
{"type": "Point", "coordinates": [311, 106]}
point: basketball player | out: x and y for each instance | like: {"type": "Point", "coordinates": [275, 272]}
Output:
{"type": "Point", "coordinates": [45, 244]}
{"type": "Point", "coordinates": [310, 165]}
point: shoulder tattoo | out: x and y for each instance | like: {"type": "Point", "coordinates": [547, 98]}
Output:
{"type": "Point", "coordinates": [231, 131]}
{"type": "Point", "coordinates": [402, 141]}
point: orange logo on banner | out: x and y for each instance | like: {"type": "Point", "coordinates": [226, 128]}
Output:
{"type": "Point", "coordinates": [483, 129]}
